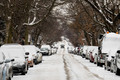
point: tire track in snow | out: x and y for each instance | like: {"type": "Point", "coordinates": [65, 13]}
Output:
{"type": "Point", "coordinates": [66, 69]}
{"type": "Point", "coordinates": [88, 69]}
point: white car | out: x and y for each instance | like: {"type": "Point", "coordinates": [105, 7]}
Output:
{"type": "Point", "coordinates": [46, 49]}
{"type": "Point", "coordinates": [34, 54]}
{"type": "Point", "coordinates": [115, 63]}
{"type": "Point", "coordinates": [71, 49]}
{"type": "Point", "coordinates": [16, 52]}
{"type": "Point", "coordinates": [6, 71]}
{"type": "Point", "coordinates": [39, 59]}
{"type": "Point", "coordinates": [84, 51]}
{"type": "Point", "coordinates": [9, 66]}
{"type": "Point", "coordinates": [54, 50]}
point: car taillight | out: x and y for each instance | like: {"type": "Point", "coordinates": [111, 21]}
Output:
{"type": "Point", "coordinates": [101, 56]}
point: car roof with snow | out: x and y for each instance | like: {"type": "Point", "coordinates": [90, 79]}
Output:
{"type": "Point", "coordinates": [110, 43]}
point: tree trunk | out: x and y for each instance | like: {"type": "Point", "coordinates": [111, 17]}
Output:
{"type": "Point", "coordinates": [86, 37]}
{"type": "Point", "coordinates": [8, 38]}
{"type": "Point", "coordinates": [26, 35]}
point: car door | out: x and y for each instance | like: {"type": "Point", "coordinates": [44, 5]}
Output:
{"type": "Point", "coordinates": [2, 67]}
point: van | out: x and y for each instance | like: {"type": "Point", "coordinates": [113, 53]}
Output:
{"type": "Point", "coordinates": [108, 47]}
{"type": "Point", "coordinates": [16, 52]}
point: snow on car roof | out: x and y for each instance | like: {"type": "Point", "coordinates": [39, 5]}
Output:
{"type": "Point", "coordinates": [110, 43]}
{"type": "Point", "coordinates": [12, 45]}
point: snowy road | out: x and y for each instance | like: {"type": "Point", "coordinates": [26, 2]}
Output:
{"type": "Point", "coordinates": [64, 66]}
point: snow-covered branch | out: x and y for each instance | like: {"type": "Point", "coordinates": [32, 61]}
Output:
{"type": "Point", "coordinates": [34, 22]}
{"type": "Point", "coordinates": [99, 10]}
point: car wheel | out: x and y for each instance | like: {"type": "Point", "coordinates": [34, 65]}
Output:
{"type": "Point", "coordinates": [41, 61]}
{"type": "Point", "coordinates": [9, 78]}
{"type": "Point", "coordinates": [105, 67]}
{"type": "Point", "coordinates": [98, 64]}
{"type": "Point", "coordinates": [118, 71]}
{"type": "Point", "coordinates": [24, 72]}
{"type": "Point", "coordinates": [111, 70]}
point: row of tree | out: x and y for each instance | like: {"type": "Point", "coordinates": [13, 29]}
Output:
{"type": "Point", "coordinates": [19, 18]}
{"type": "Point", "coordinates": [94, 17]}
{"type": "Point", "coordinates": [79, 20]}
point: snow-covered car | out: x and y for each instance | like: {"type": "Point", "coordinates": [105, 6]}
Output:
{"type": "Point", "coordinates": [110, 46]}
{"type": "Point", "coordinates": [9, 65]}
{"type": "Point", "coordinates": [84, 50]}
{"type": "Point", "coordinates": [88, 51]}
{"type": "Point", "coordinates": [54, 50]}
{"type": "Point", "coordinates": [39, 59]}
{"type": "Point", "coordinates": [46, 49]}
{"type": "Point", "coordinates": [81, 51]}
{"type": "Point", "coordinates": [34, 54]}
{"type": "Point", "coordinates": [76, 50]}
{"type": "Point", "coordinates": [6, 71]}
{"type": "Point", "coordinates": [93, 53]}
{"type": "Point", "coordinates": [115, 67]}
{"type": "Point", "coordinates": [16, 52]}
{"type": "Point", "coordinates": [71, 49]}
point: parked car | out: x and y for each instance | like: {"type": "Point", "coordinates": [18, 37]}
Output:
{"type": "Point", "coordinates": [6, 71]}
{"type": "Point", "coordinates": [81, 51]}
{"type": "Point", "coordinates": [95, 57]}
{"type": "Point", "coordinates": [93, 53]}
{"type": "Point", "coordinates": [39, 59]}
{"type": "Point", "coordinates": [16, 51]}
{"type": "Point", "coordinates": [115, 63]}
{"type": "Point", "coordinates": [110, 44]}
{"type": "Point", "coordinates": [46, 49]}
{"type": "Point", "coordinates": [76, 50]}
{"type": "Point", "coordinates": [84, 50]}
{"type": "Point", "coordinates": [54, 50]}
{"type": "Point", "coordinates": [34, 54]}
{"type": "Point", "coordinates": [71, 49]}
{"type": "Point", "coordinates": [88, 51]}
{"type": "Point", "coordinates": [9, 65]}
{"type": "Point", "coordinates": [102, 49]}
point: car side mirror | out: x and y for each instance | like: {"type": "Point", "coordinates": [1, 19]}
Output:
{"type": "Point", "coordinates": [118, 51]}
{"type": "Point", "coordinates": [113, 57]}
{"type": "Point", "coordinates": [12, 60]}
{"type": "Point", "coordinates": [107, 55]}
{"type": "Point", "coordinates": [100, 36]}
{"type": "Point", "coordinates": [38, 51]}
{"type": "Point", "coordinates": [27, 53]}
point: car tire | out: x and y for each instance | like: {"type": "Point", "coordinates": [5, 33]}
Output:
{"type": "Point", "coordinates": [41, 61]}
{"type": "Point", "coordinates": [9, 78]}
{"type": "Point", "coordinates": [23, 73]}
{"type": "Point", "coordinates": [105, 67]}
{"type": "Point", "coordinates": [117, 71]}
{"type": "Point", "coordinates": [98, 64]}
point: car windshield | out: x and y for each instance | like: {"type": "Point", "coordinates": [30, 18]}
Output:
{"type": "Point", "coordinates": [43, 49]}
{"type": "Point", "coordinates": [30, 49]}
